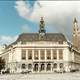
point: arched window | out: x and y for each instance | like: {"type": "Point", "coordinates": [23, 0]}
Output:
{"type": "Point", "coordinates": [55, 65]}
{"type": "Point", "coordinates": [48, 67]}
{"type": "Point", "coordinates": [61, 65]}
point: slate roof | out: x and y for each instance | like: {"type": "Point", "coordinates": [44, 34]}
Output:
{"type": "Point", "coordinates": [47, 37]}
{"type": "Point", "coordinates": [32, 37]}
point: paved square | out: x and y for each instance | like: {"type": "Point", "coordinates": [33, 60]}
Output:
{"type": "Point", "coordinates": [53, 76]}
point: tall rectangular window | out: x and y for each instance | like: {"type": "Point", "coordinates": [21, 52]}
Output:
{"type": "Point", "coordinates": [36, 55]}
{"type": "Point", "coordinates": [23, 56]}
{"type": "Point", "coordinates": [29, 54]}
{"type": "Point", "coordinates": [54, 54]}
{"type": "Point", "coordinates": [42, 54]}
{"type": "Point", "coordinates": [48, 54]}
{"type": "Point", "coordinates": [60, 54]}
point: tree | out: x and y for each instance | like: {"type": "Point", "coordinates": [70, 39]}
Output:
{"type": "Point", "coordinates": [2, 63]}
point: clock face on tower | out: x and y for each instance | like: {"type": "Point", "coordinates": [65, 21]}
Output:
{"type": "Point", "coordinates": [42, 34]}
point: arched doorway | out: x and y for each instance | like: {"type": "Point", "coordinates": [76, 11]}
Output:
{"type": "Point", "coordinates": [42, 67]}
{"type": "Point", "coordinates": [48, 67]}
{"type": "Point", "coordinates": [61, 65]}
{"type": "Point", "coordinates": [35, 67]}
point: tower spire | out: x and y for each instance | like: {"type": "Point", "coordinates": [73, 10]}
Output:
{"type": "Point", "coordinates": [42, 25]}
{"type": "Point", "coordinates": [75, 20]}
{"type": "Point", "coordinates": [75, 33]}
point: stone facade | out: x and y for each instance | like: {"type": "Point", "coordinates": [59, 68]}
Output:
{"type": "Point", "coordinates": [41, 53]}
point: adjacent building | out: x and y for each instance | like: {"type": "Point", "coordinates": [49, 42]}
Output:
{"type": "Point", "coordinates": [76, 35]}
{"type": "Point", "coordinates": [41, 53]}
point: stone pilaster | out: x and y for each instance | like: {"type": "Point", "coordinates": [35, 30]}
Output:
{"type": "Point", "coordinates": [39, 54]}
{"type": "Point", "coordinates": [57, 54]}
{"type": "Point", "coordinates": [33, 54]}
{"type": "Point", "coordinates": [45, 54]}
{"type": "Point", "coordinates": [51, 54]}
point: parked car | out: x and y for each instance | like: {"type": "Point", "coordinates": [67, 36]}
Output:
{"type": "Point", "coordinates": [74, 70]}
{"type": "Point", "coordinates": [5, 71]}
{"type": "Point", "coordinates": [60, 71]}
{"type": "Point", "coordinates": [26, 72]}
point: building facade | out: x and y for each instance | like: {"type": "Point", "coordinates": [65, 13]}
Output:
{"type": "Point", "coordinates": [40, 53]}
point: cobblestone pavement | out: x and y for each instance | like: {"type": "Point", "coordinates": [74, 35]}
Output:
{"type": "Point", "coordinates": [53, 76]}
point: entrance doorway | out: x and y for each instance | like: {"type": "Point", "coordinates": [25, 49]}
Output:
{"type": "Point", "coordinates": [35, 67]}
{"type": "Point", "coordinates": [48, 67]}
{"type": "Point", "coordinates": [42, 67]}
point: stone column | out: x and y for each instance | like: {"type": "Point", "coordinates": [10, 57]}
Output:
{"type": "Point", "coordinates": [57, 54]}
{"type": "Point", "coordinates": [58, 68]}
{"type": "Point", "coordinates": [51, 67]}
{"type": "Point", "coordinates": [45, 67]}
{"type": "Point", "coordinates": [27, 54]}
{"type": "Point", "coordinates": [51, 54]}
{"type": "Point", "coordinates": [33, 54]}
{"type": "Point", "coordinates": [39, 66]}
{"type": "Point", "coordinates": [39, 54]}
{"type": "Point", "coordinates": [32, 67]}
{"type": "Point", "coordinates": [57, 60]}
{"type": "Point", "coordinates": [45, 55]}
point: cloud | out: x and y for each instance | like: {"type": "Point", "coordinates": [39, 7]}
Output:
{"type": "Point", "coordinates": [22, 8]}
{"type": "Point", "coordinates": [50, 9]}
{"type": "Point", "coordinates": [7, 39]}
{"type": "Point", "coordinates": [56, 13]}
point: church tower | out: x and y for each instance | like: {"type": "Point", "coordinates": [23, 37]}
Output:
{"type": "Point", "coordinates": [42, 30]}
{"type": "Point", "coordinates": [75, 34]}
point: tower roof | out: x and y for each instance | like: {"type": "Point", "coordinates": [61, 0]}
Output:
{"type": "Point", "coordinates": [75, 20]}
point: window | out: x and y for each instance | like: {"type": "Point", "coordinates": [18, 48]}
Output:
{"type": "Point", "coordinates": [54, 54]}
{"type": "Point", "coordinates": [29, 66]}
{"type": "Point", "coordinates": [60, 42]}
{"type": "Point", "coordinates": [54, 65]}
{"type": "Point", "coordinates": [23, 42]}
{"type": "Point", "coordinates": [29, 54]}
{"type": "Point", "coordinates": [23, 66]}
{"type": "Point", "coordinates": [23, 56]}
{"type": "Point", "coordinates": [42, 55]}
{"type": "Point", "coordinates": [61, 65]}
{"type": "Point", "coordinates": [48, 54]}
{"type": "Point", "coordinates": [36, 54]}
{"type": "Point", "coordinates": [60, 54]}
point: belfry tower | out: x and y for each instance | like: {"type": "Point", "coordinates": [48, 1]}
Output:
{"type": "Point", "coordinates": [42, 30]}
{"type": "Point", "coordinates": [75, 34]}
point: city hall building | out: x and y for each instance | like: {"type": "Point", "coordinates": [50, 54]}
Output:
{"type": "Point", "coordinates": [40, 53]}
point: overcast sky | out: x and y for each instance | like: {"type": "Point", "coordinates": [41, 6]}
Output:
{"type": "Point", "coordinates": [23, 16]}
